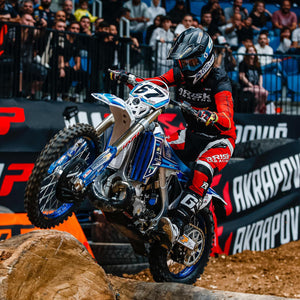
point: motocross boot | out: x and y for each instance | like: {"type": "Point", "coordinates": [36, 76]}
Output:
{"type": "Point", "coordinates": [189, 204]}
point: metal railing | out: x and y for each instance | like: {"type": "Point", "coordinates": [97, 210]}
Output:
{"type": "Point", "coordinates": [30, 65]}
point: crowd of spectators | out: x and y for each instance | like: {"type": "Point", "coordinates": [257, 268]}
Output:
{"type": "Point", "coordinates": [233, 28]}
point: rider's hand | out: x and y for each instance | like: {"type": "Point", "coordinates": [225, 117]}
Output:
{"type": "Point", "coordinates": [207, 117]}
{"type": "Point", "coordinates": [120, 76]}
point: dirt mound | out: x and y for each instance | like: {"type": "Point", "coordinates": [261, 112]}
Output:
{"type": "Point", "coordinates": [272, 272]}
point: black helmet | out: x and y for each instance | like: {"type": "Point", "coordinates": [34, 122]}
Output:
{"type": "Point", "coordinates": [193, 43]}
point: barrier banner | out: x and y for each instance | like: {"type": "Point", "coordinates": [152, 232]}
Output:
{"type": "Point", "coordinates": [263, 197]}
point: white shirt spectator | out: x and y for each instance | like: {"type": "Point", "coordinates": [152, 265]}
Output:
{"type": "Point", "coordinates": [154, 10]}
{"type": "Point", "coordinates": [163, 40]}
{"type": "Point", "coordinates": [296, 36]}
{"type": "Point", "coordinates": [267, 50]}
{"type": "Point", "coordinates": [284, 46]}
{"type": "Point", "coordinates": [136, 11]}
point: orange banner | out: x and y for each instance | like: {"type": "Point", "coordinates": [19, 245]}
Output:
{"type": "Point", "coordinates": [14, 224]}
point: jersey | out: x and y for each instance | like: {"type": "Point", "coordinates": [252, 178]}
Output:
{"type": "Point", "coordinates": [212, 93]}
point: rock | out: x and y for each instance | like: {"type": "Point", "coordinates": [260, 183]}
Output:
{"type": "Point", "coordinates": [50, 264]}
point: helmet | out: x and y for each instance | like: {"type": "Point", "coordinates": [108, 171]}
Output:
{"type": "Point", "coordinates": [193, 53]}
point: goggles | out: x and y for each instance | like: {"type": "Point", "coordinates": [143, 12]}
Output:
{"type": "Point", "coordinates": [194, 64]}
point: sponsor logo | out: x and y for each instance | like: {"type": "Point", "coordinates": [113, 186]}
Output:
{"type": "Point", "coordinates": [257, 132]}
{"type": "Point", "coordinates": [254, 188]}
{"type": "Point", "coordinates": [10, 115]}
{"type": "Point", "coordinates": [204, 70]}
{"type": "Point", "coordinates": [133, 138]}
{"type": "Point", "coordinates": [197, 97]}
{"type": "Point", "coordinates": [271, 232]}
{"type": "Point", "coordinates": [19, 173]}
{"type": "Point", "coordinates": [219, 158]}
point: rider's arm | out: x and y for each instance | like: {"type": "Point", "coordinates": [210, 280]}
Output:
{"type": "Point", "coordinates": [224, 112]}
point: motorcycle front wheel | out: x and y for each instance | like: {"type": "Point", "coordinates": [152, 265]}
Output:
{"type": "Point", "coordinates": [180, 264]}
{"type": "Point", "coordinates": [49, 195]}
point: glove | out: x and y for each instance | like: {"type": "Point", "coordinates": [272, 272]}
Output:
{"type": "Point", "coordinates": [119, 75]}
{"type": "Point", "coordinates": [207, 117]}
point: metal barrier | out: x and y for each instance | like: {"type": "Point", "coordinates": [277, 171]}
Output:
{"type": "Point", "coordinates": [30, 64]}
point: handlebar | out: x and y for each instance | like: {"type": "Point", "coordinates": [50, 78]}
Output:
{"type": "Point", "coordinates": [187, 108]}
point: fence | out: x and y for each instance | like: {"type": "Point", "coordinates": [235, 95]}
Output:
{"type": "Point", "coordinates": [30, 62]}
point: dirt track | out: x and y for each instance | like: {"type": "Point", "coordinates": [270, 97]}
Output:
{"type": "Point", "coordinates": [272, 272]}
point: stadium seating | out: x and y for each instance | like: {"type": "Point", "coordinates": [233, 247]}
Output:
{"type": "Point", "coordinates": [273, 84]}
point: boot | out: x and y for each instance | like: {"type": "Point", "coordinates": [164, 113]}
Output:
{"type": "Point", "coordinates": [171, 232]}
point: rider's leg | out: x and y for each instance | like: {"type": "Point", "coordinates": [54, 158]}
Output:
{"type": "Point", "coordinates": [214, 157]}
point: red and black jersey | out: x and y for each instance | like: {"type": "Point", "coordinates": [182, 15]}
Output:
{"type": "Point", "coordinates": [212, 93]}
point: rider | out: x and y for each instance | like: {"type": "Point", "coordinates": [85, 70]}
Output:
{"type": "Point", "coordinates": [209, 140]}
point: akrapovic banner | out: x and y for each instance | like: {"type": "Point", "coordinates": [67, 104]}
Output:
{"type": "Point", "coordinates": [263, 192]}
{"type": "Point", "coordinates": [263, 196]}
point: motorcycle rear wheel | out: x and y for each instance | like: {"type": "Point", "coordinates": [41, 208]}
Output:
{"type": "Point", "coordinates": [44, 199]}
{"type": "Point", "coordinates": [164, 269]}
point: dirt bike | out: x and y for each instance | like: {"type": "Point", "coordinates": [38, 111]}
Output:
{"type": "Point", "coordinates": [126, 168]}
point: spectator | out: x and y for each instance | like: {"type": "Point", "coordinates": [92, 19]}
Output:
{"type": "Point", "coordinates": [295, 48]}
{"type": "Point", "coordinates": [246, 43]}
{"type": "Point", "coordinates": [196, 22]}
{"type": "Point", "coordinates": [85, 25]}
{"type": "Point", "coordinates": [32, 73]}
{"type": "Point", "coordinates": [206, 23]}
{"type": "Point", "coordinates": [107, 46]}
{"type": "Point", "coordinates": [83, 11]}
{"type": "Point", "coordinates": [139, 18]}
{"type": "Point", "coordinates": [186, 23]}
{"type": "Point", "coordinates": [114, 32]}
{"type": "Point", "coordinates": [68, 9]}
{"type": "Point", "coordinates": [60, 16]}
{"type": "Point", "coordinates": [267, 62]}
{"type": "Point", "coordinates": [251, 79]}
{"type": "Point", "coordinates": [284, 17]}
{"type": "Point", "coordinates": [97, 23]}
{"type": "Point", "coordinates": [27, 8]}
{"type": "Point", "coordinates": [246, 31]}
{"type": "Point", "coordinates": [230, 31]}
{"type": "Point", "coordinates": [154, 10]}
{"type": "Point", "coordinates": [151, 28]}
{"type": "Point", "coordinates": [285, 41]}
{"type": "Point", "coordinates": [177, 13]}
{"type": "Point", "coordinates": [236, 8]}
{"type": "Point", "coordinates": [260, 16]}
{"type": "Point", "coordinates": [70, 64]}
{"type": "Point", "coordinates": [54, 52]}
{"type": "Point", "coordinates": [224, 58]}
{"type": "Point", "coordinates": [111, 10]}
{"type": "Point", "coordinates": [43, 15]}
{"type": "Point", "coordinates": [217, 13]}
{"type": "Point", "coordinates": [8, 13]}
{"type": "Point", "coordinates": [161, 42]}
